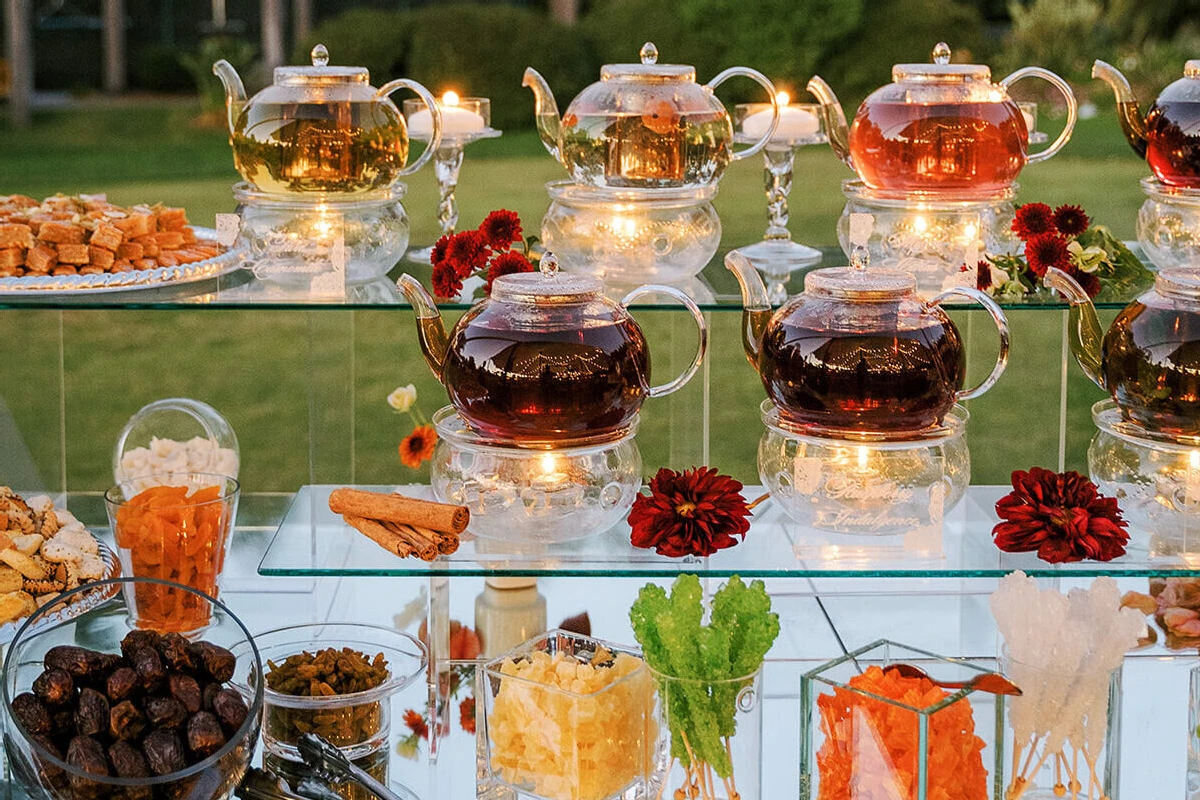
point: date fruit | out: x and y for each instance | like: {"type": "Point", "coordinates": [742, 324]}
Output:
{"type": "Point", "coordinates": [54, 687]}
{"type": "Point", "coordinates": [32, 714]}
{"type": "Point", "coordinates": [164, 751]}
{"type": "Point", "coordinates": [91, 717]}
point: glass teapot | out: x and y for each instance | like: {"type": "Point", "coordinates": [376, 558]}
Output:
{"type": "Point", "coordinates": [645, 126]}
{"type": "Point", "coordinates": [939, 127]}
{"type": "Point", "coordinates": [547, 359]}
{"type": "Point", "coordinates": [321, 129]}
{"type": "Point", "coordinates": [1149, 361]}
{"type": "Point", "coordinates": [1169, 136]}
{"type": "Point", "coordinates": [859, 350]}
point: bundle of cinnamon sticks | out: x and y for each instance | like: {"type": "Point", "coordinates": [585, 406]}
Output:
{"type": "Point", "coordinates": [402, 525]}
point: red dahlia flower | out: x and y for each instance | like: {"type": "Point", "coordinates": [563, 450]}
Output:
{"type": "Point", "coordinates": [501, 228]}
{"type": "Point", "coordinates": [437, 253]}
{"type": "Point", "coordinates": [1061, 517]}
{"type": "Point", "coordinates": [446, 282]}
{"type": "Point", "coordinates": [466, 714]}
{"type": "Point", "coordinates": [1033, 219]}
{"type": "Point", "coordinates": [506, 264]}
{"type": "Point", "coordinates": [467, 251]}
{"type": "Point", "coordinates": [1071, 220]}
{"type": "Point", "coordinates": [983, 276]}
{"type": "Point", "coordinates": [1047, 250]}
{"type": "Point", "coordinates": [696, 512]}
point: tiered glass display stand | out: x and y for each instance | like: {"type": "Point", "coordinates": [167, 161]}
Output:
{"type": "Point", "coordinates": [304, 385]}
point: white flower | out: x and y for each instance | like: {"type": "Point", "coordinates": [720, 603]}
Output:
{"type": "Point", "coordinates": [1088, 260]}
{"type": "Point", "coordinates": [403, 398]}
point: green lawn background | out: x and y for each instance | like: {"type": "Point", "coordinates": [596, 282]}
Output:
{"type": "Point", "coordinates": [305, 389]}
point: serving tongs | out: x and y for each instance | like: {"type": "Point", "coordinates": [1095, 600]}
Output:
{"type": "Point", "coordinates": [258, 784]}
{"type": "Point", "coordinates": [328, 763]}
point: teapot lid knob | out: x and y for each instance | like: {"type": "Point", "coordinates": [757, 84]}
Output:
{"type": "Point", "coordinates": [548, 265]}
{"type": "Point", "coordinates": [649, 53]}
{"type": "Point", "coordinates": [320, 56]}
{"type": "Point", "coordinates": [941, 53]}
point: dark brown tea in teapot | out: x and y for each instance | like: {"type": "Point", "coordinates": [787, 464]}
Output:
{"type": "Point", "coordinates": [1173, 142]}
{"type": "Point", "coordinates": [919, 146]}
{"type": "Point", "coordinates": [537, 385]}
{"type": "Point", "coordinates": [873, 381]}
{"type": "Point", "coordinates": [1152, 367]}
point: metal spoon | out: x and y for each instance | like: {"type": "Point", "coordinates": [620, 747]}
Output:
{"type": "Point", "coordinates": [330, 763]}
{"type": "Point", "coordinates": [990, 682]}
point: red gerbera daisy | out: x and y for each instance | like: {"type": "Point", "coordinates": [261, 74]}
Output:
{"type": "Point", "coordinates": [1033, 219]}
{"type": "Point", "coordinates": [983, 276]}
{"type": "Point", "coordinates": [501, 228]}
{"type": "Point", "coordinates": [697, 512]}
{"type": "Point", "coordinates": [467, 251]}
{"type": "Point", "coordinates": [416, 723]}
{"type": "Point", "coordinates": [1047, 250]}
{"type": "Point", "coordinates": [446, 282]}
{"type": "Point", "coordinates": [1061, 517]}
{"type": "Point", "coordinates": [507, 264]}
{"type": "Point", "coordinates": [437, 253]}
{"type": "Point", "coordinates": [466, 714]}
{"type": "Point", "coordinates": [417, 447]}
{"type": "Point", "coordinates": [1071, 220]}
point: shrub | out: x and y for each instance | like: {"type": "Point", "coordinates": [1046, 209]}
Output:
{"type": "Point", "coordinates": [1061, 35]}
{"type": "Point", "coordinates": [237, 52]}
{"type": "Point", "coordinates": [157, 67]}
{"type": "Point", "coordinates": [363, 37]}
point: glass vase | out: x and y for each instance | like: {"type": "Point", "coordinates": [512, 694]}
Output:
{"type": "Point", "coordinates": [1063, 732]}
{"type": "Point", "coordinates": [869, 731]}
{"type": "Point", "coordinates": [710, 738]}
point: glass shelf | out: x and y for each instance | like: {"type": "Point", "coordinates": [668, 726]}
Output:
{"type": "Point", "coordinates": [312, 541]}
{"type": "Point", "coordinates": [714, 289]}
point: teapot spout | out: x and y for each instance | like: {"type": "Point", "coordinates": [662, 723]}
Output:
{"type": "Point", "coordinates": [1083, 326]}
{"type": "Point", "coordinates": [235, 91]}
{"type": "Point", "coordinates": [756, 306]}
{"type": "Point", "coordinates": [835, 118]}
{"type": "Point", "coordinates": [545, 109]}
{"type": "Point", "coordinates": [1133, 124]}
{"type": "Point", "coordinates": [430, 330]}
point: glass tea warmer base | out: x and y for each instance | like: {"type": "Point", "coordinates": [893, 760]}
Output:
{"type": "Point", "coordinates": [868, 484]}
{"type": "Point", "coordinates": [292, 238]}
{"type": "Point", "coordinates": [632, 236]}
{"type": "Point", "coordinates": [1168, 224]}
{"type": "Point", "coordinates": [532, 494]}
{"type": "Point", "coordinates": [1156, 480]}
{"type": "Point", "coordinates": [929, 235]}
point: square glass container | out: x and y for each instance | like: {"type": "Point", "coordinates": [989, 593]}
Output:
{"type": "Point", "coordinates": [582, 737]}
{"type": "Point", "coordinates": [864, 727]}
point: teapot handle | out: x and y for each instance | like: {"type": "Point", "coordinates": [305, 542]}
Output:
{"type": "Point", "coordinates": [1001, 321]}
{"type": "Point", "coordinates": [761, 80]}
{"type": "Point", "coordinates": [1072, 107]}
{"type": "Point", "coordinates": [701, 325]}
{"type": "Point", "coordinates": [435, 113]}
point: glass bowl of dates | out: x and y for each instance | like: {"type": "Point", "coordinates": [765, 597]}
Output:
{"type": "Point", "coordinates": [332, 679]}
{"type": "Point", "coordinates": [96, 710]}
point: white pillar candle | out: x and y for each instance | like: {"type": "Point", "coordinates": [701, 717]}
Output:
{"type": "Point", "coordinates": [795, 122]}
{"type": "Point", "coordinates": [1029, 123]}
{"type": "Point", "coordinates": [455, 119]}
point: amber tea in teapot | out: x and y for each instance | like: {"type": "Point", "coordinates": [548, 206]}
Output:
{"type": "Point", "coordinates": [903, 379]}
{"type": "Point", "coordinates": [1162, 391]}
{"type": "Point", "coordinates": [537, 385]}
{"type": "Point", "coordinates": [337, 147]}
{"type": "Point", "coordinates": [914, 146]}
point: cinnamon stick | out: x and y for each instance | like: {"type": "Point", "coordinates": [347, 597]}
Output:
{"type": "Point", "coordinates": [380, 535]}
{"type": "Point", "coordinates": [403, 510]}
{"type": "Point", "coordinates": [426, 549]}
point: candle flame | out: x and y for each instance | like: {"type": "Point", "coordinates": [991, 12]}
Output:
{"type": "Point", "coordinates": [450, 98]}
{"type": "Point", "coordinates": [863, 458]}
{"type": "Point", "coordinates": [1194, 459]}
{"type": "Point", "coordinates": [782, 98]}
{"type": "Point", "coordinates": [549, 464]}
{"type": "Point", "coordinates": [920, 224]}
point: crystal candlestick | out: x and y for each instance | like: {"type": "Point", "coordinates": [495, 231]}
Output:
{"type": "Point", "coordinates": [777, 256]}
{"type": "Point", "coordinates": [464, 120]}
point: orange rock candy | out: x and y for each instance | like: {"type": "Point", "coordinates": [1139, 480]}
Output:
{"type": "Point", "coordinates": [871, 747]}
{"type": "Point", "coordinates": [174, 537]}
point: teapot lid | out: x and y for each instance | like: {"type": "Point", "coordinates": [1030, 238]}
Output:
{"type": "Point", "coordinates": [1181, 282]}
{"type": "Point", "coordinates": [857, 282]}
{"type": "Point", "coordinates": [547, 286]}
{"type": "Point", "coordinates": [649, 69]}
{"type": "Point", "coordinates": [320, 73]}
{"type": "Point", "coordinates": [941, 70]}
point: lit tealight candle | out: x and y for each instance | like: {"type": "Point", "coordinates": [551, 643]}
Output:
{"type": "Point", "coordinates": [795, 122]}
{"type": "Point", "coordinates": [1029, 121]}
{"type": "Point", "coordinates": [455, 118]}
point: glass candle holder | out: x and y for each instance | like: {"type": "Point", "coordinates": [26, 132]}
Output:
{"type": "Point", "coordinates": [863, 723]}
{"type": "Point", "coordinates": [464, 120]}
{"type": "Point", "coordinates": [176, 531]}
{"type": "Point", "coordinates": [547, 742]}
{"type": "Point", "coordinates": [800, 124]}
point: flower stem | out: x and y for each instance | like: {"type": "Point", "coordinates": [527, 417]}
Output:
{"type": "Point", "coordinates": [751, 505]}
